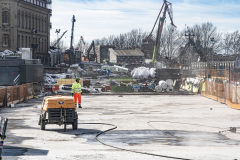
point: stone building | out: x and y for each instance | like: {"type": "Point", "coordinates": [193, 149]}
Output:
{"type": "Point", "coordinates": [102, 53]}
{"type": "Point", "coordinates": [25, 22]}
{"type": "Point", "coordinates": [128, 56]}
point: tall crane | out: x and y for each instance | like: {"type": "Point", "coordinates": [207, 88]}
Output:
{"type": "Point", "coordinates": [167, 8]}
{"type": "Point", "coordinates": [70, 52]}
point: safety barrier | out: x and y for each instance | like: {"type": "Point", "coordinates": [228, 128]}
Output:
{"type": "Point", "coordinates": [16, 94]}
{"type": "Point", "coordinates": [223, 93]}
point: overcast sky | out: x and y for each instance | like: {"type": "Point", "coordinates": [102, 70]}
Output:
{"type": "Point", "coordinates": [101, 18]}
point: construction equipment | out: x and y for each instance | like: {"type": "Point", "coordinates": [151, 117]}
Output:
{"type": "Point", "coordinates": [59, 110]}
{"type": "Point", "coordinates": [3, 121]}
{"type": "Point", "coordinates": [167, 8]}
{"type": "Point", "coordinates": [191, 42]}
{"type": "Point", "coordinates": [70, 51]}
{"type": "Point", "coordinates": [59, 39]}
{"type": "Point", "coordinates": [80, 44]}
{"type": "Point", "coordinates": [94, 56]}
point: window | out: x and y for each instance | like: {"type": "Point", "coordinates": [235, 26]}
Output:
{"type": "Point", "coordinates": [39, 25]}
{"type": "Point", "coordinates": [38, 3]}
{"type": "Point", "coordinates": [32, 22]}
{"type": "Point", "coordinates": [18, 21]}
{"type": "Point", "coordinates": [45, 45]}
{"type": "Point", "coordinates": [5, 40]}
{"type": "Point", "coordinates": [22, 21]}
{"type": "Point", "coordinates": [36, 24]}
{"type": "Point", "coordinates": [18, 43]}
{"type": "Point", "coordinates": [35, 2]}
{"type": "Point", "coordinates": [25, 21]}
{"type": "Point", "coordinates": [5, 17]}
{"type": "Point", "coordinates": [42, 25]}
{"type": "Point", "coordinates": [22, 41]}
{"type": "Point", "coordinates": [29, 42]}
{"type": "Point", "coordinates": [29, 23]}
{"type": "Point", "coordinates": [26, 42]}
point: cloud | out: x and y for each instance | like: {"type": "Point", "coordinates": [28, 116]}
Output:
{"type": "Point", "coordinates": [101, 18]}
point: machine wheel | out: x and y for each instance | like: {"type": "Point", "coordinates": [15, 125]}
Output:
{"type": "Point", "coordinates": [42, 124]}
{"type": "Point", "coordinates": [75, 124]}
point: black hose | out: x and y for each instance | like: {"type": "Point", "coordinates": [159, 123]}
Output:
{"type": "Point", "coordinates": [115, 127]}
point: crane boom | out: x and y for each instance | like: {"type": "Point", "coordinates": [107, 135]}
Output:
{"type": "Point", "coordinates": [60, 38]}
{"type": "Point", "coordinates": [167, 8]}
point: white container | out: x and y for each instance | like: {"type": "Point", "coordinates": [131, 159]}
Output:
{"type": "Point", "coordinates": [158, 89]}
{"type": "Point", "coordinates": [163, 84]}
{"type": "Point", "coordinates": [169, 82]}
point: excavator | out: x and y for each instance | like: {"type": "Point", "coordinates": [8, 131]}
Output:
{"type": "Point", "coordinates": [94, 56]}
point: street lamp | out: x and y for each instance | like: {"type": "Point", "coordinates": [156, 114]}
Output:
{"type": "Point", "coordinates": [212, 40]}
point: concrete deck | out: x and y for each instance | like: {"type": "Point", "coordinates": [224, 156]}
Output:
{"type": "Point", "coordinates": [172, 127]}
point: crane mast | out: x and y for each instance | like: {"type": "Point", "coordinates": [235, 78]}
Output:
{"type": "Point", "coordinates": [167, 8]}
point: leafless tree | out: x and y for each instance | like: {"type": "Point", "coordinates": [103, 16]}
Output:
{"type": "Point", "coordinates": [62, 45]}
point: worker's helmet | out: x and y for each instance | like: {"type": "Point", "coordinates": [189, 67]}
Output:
{"type": "Point", "coordinates": [77, 79]}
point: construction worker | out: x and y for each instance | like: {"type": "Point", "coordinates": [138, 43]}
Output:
{"type": "Point", "coordinates": [104, 61]}
{"type": "Point", "coordinates": [76, 92]}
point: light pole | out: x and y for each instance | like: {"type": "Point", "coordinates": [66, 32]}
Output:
{"type": "Point", "coordinates": [212, 40]}
{"type": "Point", "coordinates": [58, 31]}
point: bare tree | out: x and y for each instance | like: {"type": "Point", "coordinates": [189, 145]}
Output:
{"type": "Point", "coordinates": [62, 45]}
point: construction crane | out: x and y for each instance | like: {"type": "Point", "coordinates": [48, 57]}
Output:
{"type": "Point", "coordinates": [81, 41]}
{"type": "Point", "coordinates": [70, 52]}
{"type": "Point", "coordinates": [167, 8]}
{"type": "Point", "coordinates": [59, 39]}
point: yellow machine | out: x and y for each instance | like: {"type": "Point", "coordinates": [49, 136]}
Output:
{"type": "Point", "coordinates": [58, 110]}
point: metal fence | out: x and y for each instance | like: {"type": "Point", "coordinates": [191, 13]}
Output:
{"type": "Point", "coordinates": [206, 73]}
{"type": "Point", "coordinates": [15, 94]}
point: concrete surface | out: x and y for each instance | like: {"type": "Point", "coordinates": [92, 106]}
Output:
{"type": "Point", "coordinates": [173, 127]}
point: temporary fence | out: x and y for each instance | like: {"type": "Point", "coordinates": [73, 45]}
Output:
{"type": "Point", "coordinates": [223, 93]}
{"type": "Point", "coordinates": [16, 94]}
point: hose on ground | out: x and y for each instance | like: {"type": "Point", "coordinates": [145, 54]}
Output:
{"type": "Point", "coordinates": [115, 127]}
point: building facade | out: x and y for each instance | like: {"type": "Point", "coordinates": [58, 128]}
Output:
{"type": "Point", "coordinates": [102, 53]}
{"type": "Point", "coordinates": [124, 56]}
{"type": "Point", "coordinates": [25, 22]}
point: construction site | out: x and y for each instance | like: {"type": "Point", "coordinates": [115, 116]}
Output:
{"type": "Point", "coordinates": [145, 100]}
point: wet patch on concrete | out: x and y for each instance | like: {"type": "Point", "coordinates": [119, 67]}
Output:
{"type": "Point", "coordinates": [166, 137]}
{"type": "Point", "coordinates": [21, 151]}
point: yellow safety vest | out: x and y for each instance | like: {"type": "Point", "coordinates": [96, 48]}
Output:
{"type": "Point", "coordinates": [76, 88]}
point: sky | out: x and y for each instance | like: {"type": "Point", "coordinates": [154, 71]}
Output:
{"type": "Point", "coordinates": [102, 18]}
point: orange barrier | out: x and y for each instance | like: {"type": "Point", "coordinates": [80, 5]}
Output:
{"type": "Point", "coordinates": [223, 93]}
{"type": "Point", "coordinates": [16, 94]}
